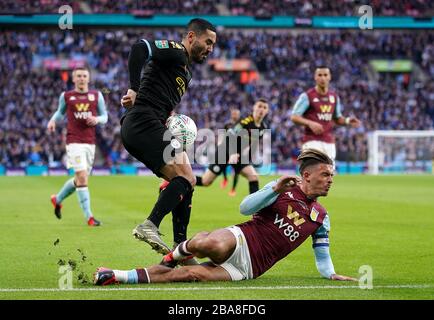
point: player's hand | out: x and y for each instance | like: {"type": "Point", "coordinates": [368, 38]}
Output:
{"type": "Point", "coordinates": [91, 121]}
{"type": "Point", "coordinates": [51, 126]}
{"type": "Point", "coordinates": [342, 278]}
{"type": "Point", "coordinates": [129, 99]}
{"type": "Point", "coordinates": [233, 158]}
{"type": "Point", "coordinates": [286, 182]}
{"type": "Point", "coordinates": [355, 123]}
{"type": "Point", "coordinates": [316, 128]}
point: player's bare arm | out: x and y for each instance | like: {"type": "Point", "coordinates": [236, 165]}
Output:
{"type": "Point", "coordinates": [342, 278]}
{"type": "Point", "coordinates": [349, 121]}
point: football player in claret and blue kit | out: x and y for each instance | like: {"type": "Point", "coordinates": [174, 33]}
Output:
{"type": "Point", "coordinates": [285, 213]}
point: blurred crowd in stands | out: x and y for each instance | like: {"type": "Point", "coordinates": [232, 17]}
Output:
{"type": "Point", "coordinates": [417, 8]}
{"type": "Point", "coordinates": [285, 60]}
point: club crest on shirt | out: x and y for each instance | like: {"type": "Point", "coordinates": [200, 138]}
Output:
{"type": "Point", "coordinates": [72, 98]}
{"type": "Point", "coordinates": [314, 214]}
{"type": "Point", "coordinates": [91, 97]}
{"type": "Point", "coordinates": [332, 99]}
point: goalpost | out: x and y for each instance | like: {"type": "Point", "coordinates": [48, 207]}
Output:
{"type": "Point", "coordinates": [401, 151]}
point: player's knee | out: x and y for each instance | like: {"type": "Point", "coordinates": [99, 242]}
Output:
{"type": "Point", "coordinates": [186, 174]}
{"type": "Point", "coordinates": [200, 235]}
{"type": "Point", "coordinates": [252, 178]}
{"type": "Point", "coordinates": [81, 180]}
{"type": "Point", "coordinates": [206, 182]}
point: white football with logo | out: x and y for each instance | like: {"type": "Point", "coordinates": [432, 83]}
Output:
{"type": "Point", "coordinates": [182, 128]}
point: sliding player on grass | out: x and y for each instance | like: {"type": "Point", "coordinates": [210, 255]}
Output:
{"type": "Point", "coordinates": [285, 214]}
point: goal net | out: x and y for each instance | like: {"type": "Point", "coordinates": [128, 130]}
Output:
{"type": "Point", "coordinates": [401, 151]}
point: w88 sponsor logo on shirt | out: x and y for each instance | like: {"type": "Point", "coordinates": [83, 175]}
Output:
{"type": "Point", "coordinates": [288, 228]}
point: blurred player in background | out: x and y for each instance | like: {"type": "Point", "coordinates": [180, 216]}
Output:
{"type": "Point", "coordinates": [166, 66]}
{"type": "Point", "coordinates": [285, 213]}
{"type": "Point", "coordinates": [255, 121]}
{"type": "Point", "coordinates": [318, 110]}
{"type": "Point", "coordinates": [84, 109]}
{"type": "Point", "coordinates": [235, 118]}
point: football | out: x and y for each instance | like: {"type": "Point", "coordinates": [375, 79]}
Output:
{"type": "Point", "coordinates": [182, 128]}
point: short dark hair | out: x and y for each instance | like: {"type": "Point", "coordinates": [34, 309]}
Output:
{"type": "Point", "coordinates": [323, 67]}
{"type": "Point", "coordinates": [200, 26]}
{"type": "Point", "coordinates": [262, 100]}
{"type": "Point", "coordinates": [311, 157]}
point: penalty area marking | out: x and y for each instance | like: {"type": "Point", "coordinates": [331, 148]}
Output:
{"type": "Point", "coordinates": [119, 288]}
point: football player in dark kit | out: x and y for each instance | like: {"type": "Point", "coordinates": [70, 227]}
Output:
{"type": "Point", "coordinates": [285, 213]}
{"type": "Point", "coordinates": [149, 102]}
{"type": "Point", "coordinates": [244, 129]}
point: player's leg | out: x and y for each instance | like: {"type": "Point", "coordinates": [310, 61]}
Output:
{"type": "Point", "coordinates": [162, 274]}
{"type": "Point", "coordinates": [252, 176]}
{"type": "Point", "coordinates": [145, 137]}
{"type": "Point", "coordinates": [82, 171]}
{"type": "Point", "coordinates": [233, 192]}
{"type": "Point", "coordinates": [181, 218]}
{"type": "Point", "coordinates": [210, 175]}
{"type": "Point", "coordinates": [224, 182]}
{"type": "Point", "coordinates": [83, 195]}
{"type": "Point", "coordinates": [182, 180]}
{"type": "Point", "coordinates": [217, 245]}
{"type": "Point", "coordinates": [57, 199]}
{"type": "Point", "coordinates": [74, 159]}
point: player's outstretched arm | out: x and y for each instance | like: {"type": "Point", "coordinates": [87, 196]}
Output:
{"type": "Point", "coordinates": [323, 259]}
{"type": "Point", "coordinates": [267, 195]}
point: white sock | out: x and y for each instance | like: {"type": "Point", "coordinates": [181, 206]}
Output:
{"type": "Point", "coordinates": [181, 251]}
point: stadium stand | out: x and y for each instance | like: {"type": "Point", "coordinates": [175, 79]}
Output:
{"type": "Point", "coordinates": [414, 8]}
{"type": "Point", "coordinates": [283, 59]}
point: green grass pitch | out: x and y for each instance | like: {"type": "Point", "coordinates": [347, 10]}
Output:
{"type": "Point", "coordinates": [385, 222]}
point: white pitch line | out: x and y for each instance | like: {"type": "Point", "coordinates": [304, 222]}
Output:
{"type": "Point", "coordinates": [405, 286]}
